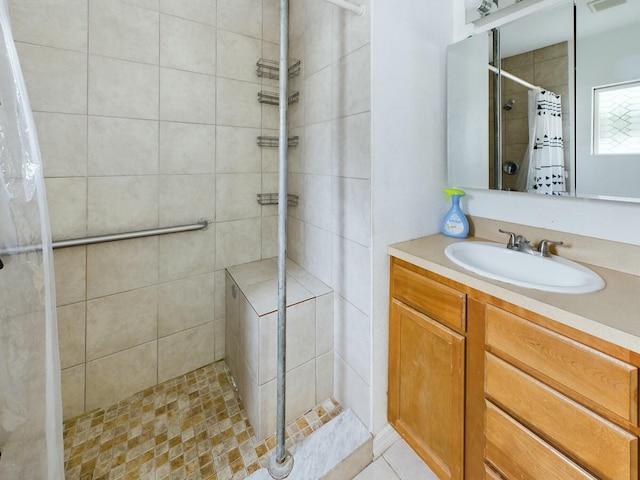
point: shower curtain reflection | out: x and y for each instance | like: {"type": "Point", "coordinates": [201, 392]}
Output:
{"type": "Point", "coordinates": [30, 405]}
{"type": "Point", "coordinates": [546, 169]}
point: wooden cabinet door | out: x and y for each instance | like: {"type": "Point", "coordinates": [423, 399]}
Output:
{"type": "Point", "coordinates": [426, 388]}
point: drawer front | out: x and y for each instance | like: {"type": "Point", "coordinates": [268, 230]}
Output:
{"type": "Point", "coordinates": [607, 381]}
{"type": "Point", "coordinates": [435, 300]}
{"type": "Point", "coordinates": [597, 444]}
{"type": "Point", "coordinates": [518, 453]}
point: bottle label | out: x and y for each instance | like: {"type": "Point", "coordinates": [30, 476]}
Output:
{"type": "Point", "coordinates": [454, 224]}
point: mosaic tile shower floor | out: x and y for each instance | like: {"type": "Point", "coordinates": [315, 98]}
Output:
{"type": "Point", "coordinates": [190, 427]}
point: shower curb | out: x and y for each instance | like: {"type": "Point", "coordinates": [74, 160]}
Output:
{"type": "Point", "coordinates": [338, 450]}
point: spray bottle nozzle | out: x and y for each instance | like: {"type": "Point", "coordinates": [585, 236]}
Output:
{"type": "Point", "coordinates": [453, 191]}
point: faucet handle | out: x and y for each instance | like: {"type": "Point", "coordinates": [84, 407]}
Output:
{"type": "Point", "coordinates": [543, 246]}
{"type": "Point", "coordinates": [512, 238]}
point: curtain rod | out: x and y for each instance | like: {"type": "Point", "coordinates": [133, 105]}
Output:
{"type": "Point", "coordinates": [201, 225]}
{"type": "Point", "coordinates": [511, 76]}
{"type": "Point", "coordinates": [359, 9]}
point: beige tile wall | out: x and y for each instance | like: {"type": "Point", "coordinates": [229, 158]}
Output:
{"type": "Point", "coordinates": [546, 67]}
{"type": "Point", "coordinates": [147, 116]}
{"type": "Point", "coordinates": [330, 230]}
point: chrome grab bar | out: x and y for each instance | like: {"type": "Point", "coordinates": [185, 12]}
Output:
{"type": "Point", "coordinates": [76, 242]}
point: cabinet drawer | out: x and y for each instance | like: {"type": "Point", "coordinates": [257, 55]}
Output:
{"type": "Point", "coordinates": [518, 453]}
{"type": "Point", "coordinates": [607, 381]}
{"type": "Point", "coordinates": [435, 300]}
{"type": "Point", "coordinates": [489, 474]}
{"type": "Point", "coordinates": [597, 444]}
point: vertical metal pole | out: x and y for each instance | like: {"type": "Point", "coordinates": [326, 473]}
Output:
{"type": "Point", "coordinates": [497, 112]}
{"type": "Point", "coordinates": [281, 463]}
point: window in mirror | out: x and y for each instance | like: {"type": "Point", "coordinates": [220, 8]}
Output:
{"type": "Point", "coordinates": [616, 122]}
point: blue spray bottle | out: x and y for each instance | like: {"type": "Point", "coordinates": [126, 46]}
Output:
{"type": "Point", "coordinates": [454, 223]}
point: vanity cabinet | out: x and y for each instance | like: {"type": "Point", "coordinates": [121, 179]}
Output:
{"type": "Point", "coordinates": [482, 388]}
{"type": "Point", "coordinates": [426, 369]}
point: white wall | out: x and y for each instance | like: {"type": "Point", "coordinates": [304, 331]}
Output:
{"type": "Point", "coordinates": [408, 149]}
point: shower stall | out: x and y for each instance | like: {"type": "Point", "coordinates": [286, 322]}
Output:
{"type": "Point", "coordinates": [127, 149]}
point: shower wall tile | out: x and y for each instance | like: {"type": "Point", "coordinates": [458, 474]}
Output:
{"type": "Point", "coordinates": [122, 204]}
{"type": "Point", "coordinates": [121, 30]}
{"type": "Point", "coordinates": [73, 387]}
{"type": "Point", "coordinates": [220, 294]}
{"type": "Point", "coordinates": [552, 51]}
{"type": "Point", "coordinates": [271, 20]}
{"type": "Point", "coordinates": [352, 83]}
{"type": "Point", "coordinates": [315, 155]}
{"type": "Point", "coordinates": [524, 71]}
{"type": "Point", "coordinates": [351, 146]}
{"type": "Point", "coordinates": [121, 321]}
{"type": "Point", "coordinates": [185, 351]}
{"type": "Point", "coordinates": [352, 346]}
{"type": "Point", "coordinates": [299, 394]}
{"type": "Point", "coordinates": [270, 155]}
{"type": "Point", "coordinates": [195, 104]}
{"type": "Point", "coordinates": [324, 376]}
{"type": "Point", "coordinates": [237, 56]}
{"type": "Point", "coordinates": [120, 266]}
{"type": "Point", "coordinates": [70, 265]}
{"type": "Point", "coordinates": [241, 16]}
{"type": "Point", "coordinates": [63, 143]}
{"type": "Point", "coordinates": [56, 79]}
{"type": "Point", "coordinates": [270, 236]}
{"type": "Point", "coordinates": [71, 334]}
{"type": "Point", "coordinates": [515, 61]}
{"type": "Point", "coordinates": [314, 205]}
{"type": "Point", "coordinates": [236, 196]}
{"type": "Point", "coordinates": [551, 72]}
{"type": "Point", "coordinates": [120, 88]}
{"type": "Point", "coordinates": [237, 242]}
{"type": "Point", "coordinates": [60, 24]}
{"type": "Point", "coordinates": [350, 389]}
{"type": "Point", "coordinates": [318, 35]}
{"type": "Point", "coordinates": [117, 376]}
{"type": "Point", "coordinates": [238, 104]}
{"type": "Point", "coordinates": [67, 201]}
{"type": "Point", "coordinates": [237, 150]}
{"type": "Point", "coordinates": [187, 148]}
{"type": "Point", "coordinates": [122, 146]}
{"type": "Point", "coordinates": [203, 11]}
{"type": "Point", "coordinates": [185, 254]}
{"type": "Point", "coordinates": [310, 247]}
{"type": "Point", "coordinates": [350, 32]}
{"type": "Point", "coordinates": [187, 45]}
{"type": "Point", "coordinates": [148, 4]}
{"type": "Point", "coordinates": [185, 199]}
{"type": "Point", "coordinates": [324, 324]}
{"type": "Point", "coordinates": [185, 304]}
{"type": "Point", "coordinates": [351, 209]}
{"type": "Point", "coordinates": [219, 340]}
{"type": "Point", "coordinates": [351, 275]}
{"type": "Point", "coordinates": [270, 113]}
{"type": "Point", "coordinates": [317, 98]}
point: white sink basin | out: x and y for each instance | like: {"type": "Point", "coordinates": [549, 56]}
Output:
{"type": "Point", "coordinates": [551, 274]}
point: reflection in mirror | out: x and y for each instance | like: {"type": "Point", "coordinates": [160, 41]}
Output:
{"type": "Point", "coordinates": [599, 89]}
{"type": "Point", "coordinates": [608, 99]}
{"type": "Point", "coordinates": [513, 88]}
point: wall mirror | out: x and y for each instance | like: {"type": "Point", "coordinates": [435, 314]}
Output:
{"type": "Point", "coordinates": [549, 103]}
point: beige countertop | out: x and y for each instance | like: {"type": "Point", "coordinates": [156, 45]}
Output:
{"type": "Point", "coordinates": [612, 314]}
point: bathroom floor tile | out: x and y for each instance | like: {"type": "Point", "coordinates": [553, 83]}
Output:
{"type": "Point", "coordinates": [191, 427]}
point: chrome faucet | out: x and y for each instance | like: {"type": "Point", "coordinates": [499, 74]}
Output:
{"type": "Point", "coordinates": [521, 244]}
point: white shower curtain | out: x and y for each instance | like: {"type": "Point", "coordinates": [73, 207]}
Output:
{"type": "Point", "coordinates": [546, 172]}
{"type": "Point", "coordinates": [30, 401]}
